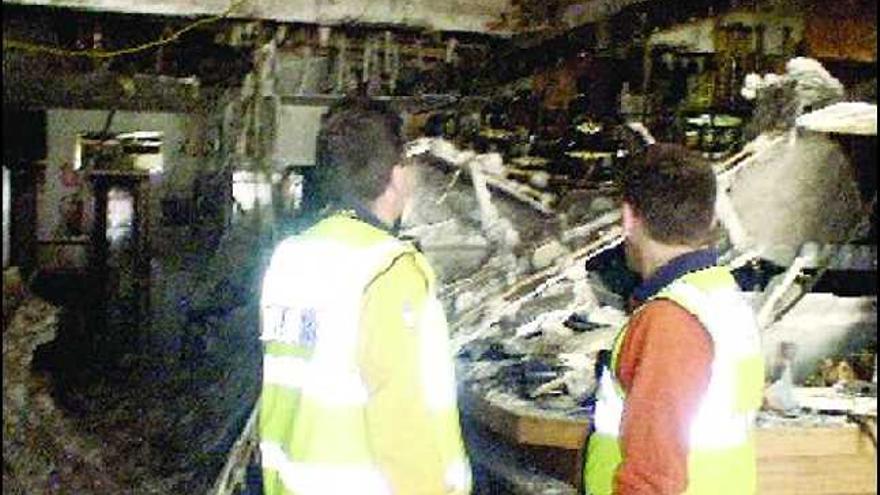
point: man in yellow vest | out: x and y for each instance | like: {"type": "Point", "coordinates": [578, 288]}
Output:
{"type": "Point", "coordinates": [675, 405]}
{"type": "Point", "coordinates": [358, 390]}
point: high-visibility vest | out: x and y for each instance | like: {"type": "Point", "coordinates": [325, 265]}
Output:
{"type": "Point", "coordinates": [721, 452]}
{"type": "Point", "coordinates": [312, 406]}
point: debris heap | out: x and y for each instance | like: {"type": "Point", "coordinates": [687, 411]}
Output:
{"type": "Point", "coordinates": [42, 450]}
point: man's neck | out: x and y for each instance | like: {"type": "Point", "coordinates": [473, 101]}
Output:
{"type": "Point", "coordinates": [657, 255]}
{"type": "Point", "coordinates": [385, 210]}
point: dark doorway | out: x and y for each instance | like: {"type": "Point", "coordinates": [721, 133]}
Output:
{"type": "Point", "coordinates": [119, 266]}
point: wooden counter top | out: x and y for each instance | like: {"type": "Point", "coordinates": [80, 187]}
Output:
{"type": "Point", "coordinates": [806, 460]}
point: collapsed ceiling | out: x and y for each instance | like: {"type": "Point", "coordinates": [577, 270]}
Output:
{"type": "Point", "coordinates": [446, 15]}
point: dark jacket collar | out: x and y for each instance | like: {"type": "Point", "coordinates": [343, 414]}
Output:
{"type": "Point", "coordinates": [675, 268]}
{"type": "Point", "coordinates": [359, 210]}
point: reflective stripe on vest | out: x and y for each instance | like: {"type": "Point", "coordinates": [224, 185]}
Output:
{"type": "Point", "coordinates": [332, 359]}
{"type": "Point", "coordinates": [310, 308]}
{"type": "Point", "coordinates": [722, 426]}
{"type": "Point", "coordinates": [458, 476]}
{"type": "Point", "coordinates": [308, 478]}
{"type": "Point", "coordinates": [328, 386]}
{"type": "Point", "coordinates": [312, 435]}
{"type": "Point", "coordinates": [317, 478]}
{"type": "Point", "coordinates": [437, 373]}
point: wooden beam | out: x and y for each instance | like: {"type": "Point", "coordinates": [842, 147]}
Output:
{"type": "Point", "coordinates": [35, 89]}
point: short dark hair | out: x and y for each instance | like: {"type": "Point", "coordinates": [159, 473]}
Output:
{"type": "Point", "coordinates": [359, 142]}
{"type": "Point", "coordinates": [673, 189]}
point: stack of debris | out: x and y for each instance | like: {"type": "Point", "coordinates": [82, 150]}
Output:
{"type": "Point", "coordinates": [486, 242]}
{"type": "Point", "coordinates": [533, 347]}
{"type": "Point", "coordinates": [521, 307]}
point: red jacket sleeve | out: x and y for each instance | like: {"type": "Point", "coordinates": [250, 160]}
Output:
{"type": "Point", "coordinates": [664, 367]}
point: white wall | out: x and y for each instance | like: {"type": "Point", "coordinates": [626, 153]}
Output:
{"type": "Point", "coordinates": [297, 135]}
{"type": "Point", "coordinates": [62, 128]}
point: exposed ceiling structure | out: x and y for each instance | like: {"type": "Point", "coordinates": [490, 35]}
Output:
{"type": "Point", "coordinates": [499, 17]}
{"type": "Point", "coordinates": [446, 15]}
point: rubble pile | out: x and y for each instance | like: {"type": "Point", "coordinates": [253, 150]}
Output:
{"type": "Point", "coordinates": [159, 419]}
{"type": "Point", "coordinates": [483, 239]}
{"type": "Point", "coordinates": [512, 278]}
{"type": "Point", "coordinates": [43, 452]}
{"type": "Point", "coordinates": [540, 351]}
{"type": "Point", "coordinates": [533, 347]}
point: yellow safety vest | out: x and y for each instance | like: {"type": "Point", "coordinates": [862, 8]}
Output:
{"type": "Point", "coordinates": [313, 437]}
{"type": "Point", "coordinates": [721, 455]}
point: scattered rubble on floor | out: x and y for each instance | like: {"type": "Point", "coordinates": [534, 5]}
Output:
{"type": "Point", "coordinates": [42, 450]}
{"type": "Point", "coordinates": [802, 419]}
{"type": "Point", "coordinates": [160, 420]}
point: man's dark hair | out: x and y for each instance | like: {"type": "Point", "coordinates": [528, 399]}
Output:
{"type": "Point", "coordinates": [673, 189]}
{"type": "Point", "coordinates": [358, 144]}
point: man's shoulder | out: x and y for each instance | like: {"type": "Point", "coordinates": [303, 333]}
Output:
{"type": "Point", "coordinates": [660, 315]}
{"type": "Point", "coordinates": [407, 266]}
{"type": "Point", "coordinates": [347, 228]}
{"type": "Point", "coordinates": [662, 309]}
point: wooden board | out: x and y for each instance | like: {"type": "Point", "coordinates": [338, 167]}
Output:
{"type": "Point", "coordinates": [827, 441]}
{"type": "Point", "coordinates": [791, 460]}
{"type": "Point", "coordinates": [523, 428]}
{"type": "Point", "coordinates": [818, 475]}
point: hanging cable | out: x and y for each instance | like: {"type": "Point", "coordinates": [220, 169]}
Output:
{"type": "Point", "coordinates": [103, 54]}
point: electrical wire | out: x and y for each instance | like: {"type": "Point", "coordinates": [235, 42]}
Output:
{"type": "Point", "coordinates": [104, 54]}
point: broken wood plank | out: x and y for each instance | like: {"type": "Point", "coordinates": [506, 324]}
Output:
{"type": "Point", "coordinates": [232, 474]}
{"type": "Point", "coordinates": [530, 196]}
{"type": "Point", "coordinates": [527, 428]}
{"type": "Point", "coordinates": [582, 230]}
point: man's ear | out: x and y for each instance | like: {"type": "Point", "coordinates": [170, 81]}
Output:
{"type": "Point", "coordinates": [630, 219]}
{"type": "Point", "coordinates": [397, 180]}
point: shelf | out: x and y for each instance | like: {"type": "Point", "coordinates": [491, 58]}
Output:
{"type": "Point", "coordinates": [323, 100]}
{"type": "Point", "coordinates": [118, 173]}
